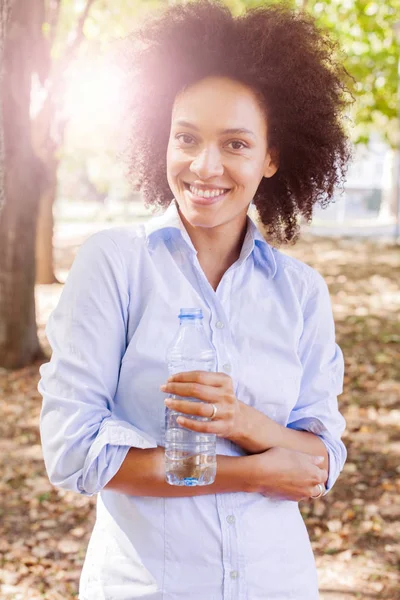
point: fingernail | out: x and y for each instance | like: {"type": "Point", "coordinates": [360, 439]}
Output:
{"type": "Point", "coordinates": [163, 388]}
{"type": "Point", "coordinates": [319, 459]}
{"type": "Point", "coordinates": [167, 401]}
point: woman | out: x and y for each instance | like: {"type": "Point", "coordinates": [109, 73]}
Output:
{"type": "Point", "coordinates": [225, 112]}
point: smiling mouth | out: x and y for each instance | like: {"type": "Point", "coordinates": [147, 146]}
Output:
{"type": "Point", "coordinates": [207, 193]}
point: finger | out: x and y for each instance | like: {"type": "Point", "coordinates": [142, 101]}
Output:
{"type": "Point", "coordinates": [203, 377]}
{"type": "Point", "coordinates": [323, 476]}
{"type": "Point", "coordinates": [192, 390]}
{"type": "Point", "coordinates": [318, 460]}
{"type": "Point", "coordinates": [198, 409]}
{"type": "Point", "coordinates": [318, 476]}
{"type": "Point", "coordinates": [316, 491]}
{"type": "Point", "coordinates": [200, 426]}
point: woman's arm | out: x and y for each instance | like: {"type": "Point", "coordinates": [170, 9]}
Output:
{"type": "Point", "coordinates": [143, 474]}
{"type": "Point", "coordinates": [278, 472]}
{"type": "Point", "coordinates": [258, 433]}
{"type": "Point", "coordinates": [314, 425]}
{"type": "Point", "coordinates": [84, 443]}
{"type": "Point", "coordinates": [244, 425]}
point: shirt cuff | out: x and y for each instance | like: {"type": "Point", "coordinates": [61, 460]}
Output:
{"type": "Point", "coordinates": [337, 452]}
{"type": "Point", "coordinates": [108, 451]}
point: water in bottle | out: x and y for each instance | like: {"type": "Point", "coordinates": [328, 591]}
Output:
{"type": "Point", "coordinates": [190, 457]}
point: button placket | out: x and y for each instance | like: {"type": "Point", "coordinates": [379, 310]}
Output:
{"type": "Point", "coordinates": [230, 547]}
{"type": "Point", "coordinates": [219, 304]}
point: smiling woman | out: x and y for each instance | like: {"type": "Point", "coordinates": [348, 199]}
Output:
{"type": "Point", "coordinates": [224, 112]}
{"type": "Point", "coordinates": [217, 151]}
{"type": "Point", "coordinates": [290, 67]}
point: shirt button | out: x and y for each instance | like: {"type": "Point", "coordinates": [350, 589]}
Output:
{"type": "Point", "coordinates": [234, 574]}
{"type": "Point", "coordinates": [219, 324]}
{"type": "Point", "coordinates": [227, 367]}
{"type": "Point", "coordinates": [231, 519]}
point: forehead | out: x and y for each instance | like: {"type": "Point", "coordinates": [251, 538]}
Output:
{"type": "Point", "coordinates": [220, 102]}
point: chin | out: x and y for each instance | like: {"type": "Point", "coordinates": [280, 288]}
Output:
{"type": "Point", "coordinates": [197, 220]}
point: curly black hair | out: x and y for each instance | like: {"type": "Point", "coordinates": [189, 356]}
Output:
{"type": "Point", "coordinates": [279, 53]}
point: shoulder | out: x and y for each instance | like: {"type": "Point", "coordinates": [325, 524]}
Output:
{"type": "Point", "coordinates": [121, 237]}
{"type": "Point", "coordinates": [116, 244]}
{"type": "Point", "coordinates": [303, 279]}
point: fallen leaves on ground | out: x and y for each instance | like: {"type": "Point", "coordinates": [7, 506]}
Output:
{"type": "Point", "coordinates": [355, 530]}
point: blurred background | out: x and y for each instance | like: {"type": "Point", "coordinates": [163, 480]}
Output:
{"type": "Point", "coordinates": [61, 180]}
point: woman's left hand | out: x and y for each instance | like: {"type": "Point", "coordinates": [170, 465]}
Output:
{"type": "Point", "coordinates": [213, 389]}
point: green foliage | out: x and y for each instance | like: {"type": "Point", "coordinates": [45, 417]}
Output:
{"type": "Point", "coordinates": [239, 6]}
{"type": "Point", "coordinates": [366, 32]}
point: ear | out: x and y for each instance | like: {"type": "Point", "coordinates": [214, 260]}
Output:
{"type": "Point", "coordinates": [271, 162]}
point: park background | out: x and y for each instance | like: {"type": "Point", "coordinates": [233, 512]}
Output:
{"type": "Point", "coordinates": [61, 179]}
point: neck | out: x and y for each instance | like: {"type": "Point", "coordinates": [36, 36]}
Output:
{"type": "Point", "coordinates": [218, 246]}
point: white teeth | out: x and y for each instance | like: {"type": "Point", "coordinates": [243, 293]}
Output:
{"type": "Point", "coordinates": [206, 193]}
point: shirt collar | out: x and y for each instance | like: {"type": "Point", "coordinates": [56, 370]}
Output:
{"type": "Point", "coordinates": [170, 224]}
{"type": "Point", "coordinates": [167, 225]}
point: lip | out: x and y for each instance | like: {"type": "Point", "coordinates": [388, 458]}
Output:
{"type": "Point", "coordinates": [201, 201]}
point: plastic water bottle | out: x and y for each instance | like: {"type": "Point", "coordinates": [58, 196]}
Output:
{"type": "Point", "coordinates": [190, 457]}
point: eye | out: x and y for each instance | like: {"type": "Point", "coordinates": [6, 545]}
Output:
{"type": "Point", "coordinates": [185, 139]}
{"type": "Point", "coordinates": [237, 145]}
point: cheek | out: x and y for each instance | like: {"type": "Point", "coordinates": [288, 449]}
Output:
{"type": "Point", "coordinates": [248, 174]}
{"type": "Point", "coordinates": [175, 162]}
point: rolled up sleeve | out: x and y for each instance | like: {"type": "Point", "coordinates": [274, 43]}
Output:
{"type": "Point", "coordinates": [83, 443]}
{"type": "Point", "coordinates": [317, 409]}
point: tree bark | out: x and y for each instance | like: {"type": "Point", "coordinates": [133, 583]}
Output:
{"type": "Point", "coordinates": [19, 343]}
{"type": "Point", "coordinates": [5, 11]}
{"type": "Point", "coordinates": [45, 225]}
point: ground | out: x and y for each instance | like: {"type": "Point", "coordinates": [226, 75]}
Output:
{"type": "Point", "coordinates": [355, 530]}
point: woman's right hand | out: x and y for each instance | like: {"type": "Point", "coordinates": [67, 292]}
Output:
{"type": "Point", "coordinates": [286, 474]}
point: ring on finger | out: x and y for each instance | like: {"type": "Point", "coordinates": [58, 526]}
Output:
{"type": "Point", "coordinates": [214, 412]}
{"type": "Point", "coordinates": [321, 488]}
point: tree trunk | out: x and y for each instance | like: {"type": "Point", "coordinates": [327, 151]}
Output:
{"type": "Point", "coordinates": [48, 137]}
{"type": "Point", "coordinates": [45, 223]}
{"type": "Point", "coordinates": [5, 10]}
{"type": "Point", "coordinates": [45, 145]}
{"type": "Point", "coordinates": [19, 343]}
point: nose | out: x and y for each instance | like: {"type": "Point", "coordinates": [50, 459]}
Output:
{"type": "Point", "coordinates": [207, 164]}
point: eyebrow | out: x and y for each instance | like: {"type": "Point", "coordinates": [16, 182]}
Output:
{"type": "Point", "coordinates": [230, 131]}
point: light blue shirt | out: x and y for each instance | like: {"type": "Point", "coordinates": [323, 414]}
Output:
{"type": "Point", "coordinates": [270, 321]}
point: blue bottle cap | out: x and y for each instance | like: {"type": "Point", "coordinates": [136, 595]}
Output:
{"type": "Point", "coordinates": [191, 313]}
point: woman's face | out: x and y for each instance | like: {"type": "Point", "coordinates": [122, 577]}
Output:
{"type": "Point", "coordinates": [217, 151]}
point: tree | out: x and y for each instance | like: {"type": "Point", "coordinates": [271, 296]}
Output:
{"type": "Point", "coordinates": [49, 125]}
{"type": "Point", "coordinates": [5, 10]}
{"type": "Point", "coordinates": [65, 40]}
{"type": "Point", "coordinates": [25, 53]}
{"type": "Point", "coordinates": [366, 32]}
{"type": "Point", "coordinates": [21, 172]}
